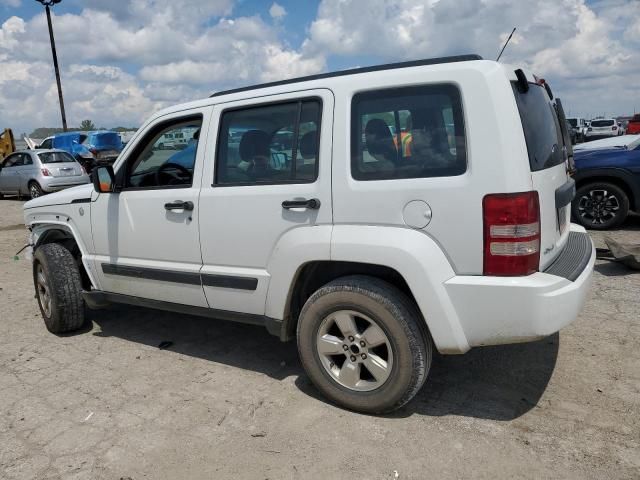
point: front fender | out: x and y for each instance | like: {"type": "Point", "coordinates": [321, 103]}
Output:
{"type": "Point", "coordinates": [68, 219]}
{"type": "Point", "coordinates": [602, 174]}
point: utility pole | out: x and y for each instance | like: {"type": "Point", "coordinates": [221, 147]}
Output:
{"type": "Point", "coordinates": [47, 4]}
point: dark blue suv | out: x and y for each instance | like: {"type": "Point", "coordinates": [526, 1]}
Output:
{"type": "Point", "coordinates": [607, 181]}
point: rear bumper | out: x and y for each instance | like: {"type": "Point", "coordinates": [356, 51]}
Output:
{"type": "Point", "coordinates": [592, 135]}
{"type": "Point", "coordinates": [54, 184]}
{"type": "Point", "coordinates": [501, 310]}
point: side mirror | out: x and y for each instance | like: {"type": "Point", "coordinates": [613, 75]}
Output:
{"type": "Point", "coordinates": [103, 179]}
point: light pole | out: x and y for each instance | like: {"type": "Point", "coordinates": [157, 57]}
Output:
{"type": "Point", "coordinates": [47, 4]}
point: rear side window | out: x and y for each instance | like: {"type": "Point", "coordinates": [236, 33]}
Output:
{"type": "Point", "coordinates": [413, 132]}
{"type": "Point", "coordinates": [269, 144]}
{"type": "Point", "coordinates": [541, 127]}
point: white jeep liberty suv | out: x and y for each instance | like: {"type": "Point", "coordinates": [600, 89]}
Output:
{"type": "Point", "coordinates": [372, 214]}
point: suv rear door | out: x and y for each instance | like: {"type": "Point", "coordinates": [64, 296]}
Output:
{"type": "Point", "coordinates": [270, 151]}
{"type": "Point", "coordinates": [548, 159]}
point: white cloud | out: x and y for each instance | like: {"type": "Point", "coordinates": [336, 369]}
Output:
{"type": "Point", "coordinates": [277, 11]}
{"type": "Point", "coordinates": [171, 63]}
{"type": "Point", "coordinates": [10, 3]}
{"type": "Point", "coordinates": [122, 60]}
{"type": "Point", "coordinates": [568, 42]}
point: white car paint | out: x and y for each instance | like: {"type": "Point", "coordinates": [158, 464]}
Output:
{"type": "Point", "coordinates": [609, 130]}
{"type": "Point", "coordinates": [242, 231]}
{"type": "Point", "coordinates": [624, 141]}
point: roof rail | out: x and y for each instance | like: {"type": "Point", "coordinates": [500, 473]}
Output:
{"type": "Point", "coordinates": [353, 71]}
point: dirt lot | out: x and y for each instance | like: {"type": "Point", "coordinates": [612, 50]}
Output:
{"type": "Point", "coordinates": [229, 401]}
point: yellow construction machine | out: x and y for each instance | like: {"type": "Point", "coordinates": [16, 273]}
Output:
{"type": "Point", "coordinates": [7, 143]}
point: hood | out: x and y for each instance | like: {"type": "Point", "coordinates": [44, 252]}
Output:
{"type": "Point", "coordinates": [81, 192]}
{"type": "Point", "coordinates": [597, 152]}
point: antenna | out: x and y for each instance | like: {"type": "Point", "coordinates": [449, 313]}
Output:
{"type": "Point", "coordinates": [505, 44]}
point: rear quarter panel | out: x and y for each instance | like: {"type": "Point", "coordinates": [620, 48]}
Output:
{"type": "Point", "coordinates": [496, 158]}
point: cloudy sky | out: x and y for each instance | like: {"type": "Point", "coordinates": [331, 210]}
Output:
{"type": "Point", "coordinates": [121, 60]}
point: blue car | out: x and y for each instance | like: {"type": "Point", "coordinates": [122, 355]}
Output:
{"type": "Point", "coordinates": [71, 142]}
{"type": "Point", "coordinates": [607, 180]}
{"type": "Point", "coordinates": [104, 145]}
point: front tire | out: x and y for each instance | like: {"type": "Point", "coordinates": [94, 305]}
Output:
{"type": "Point", "coordinates": [600, 206]}
{"type": "Point", "coordinates": [58, 288]}
{"type": "Point", "coordinates": [364, 344]}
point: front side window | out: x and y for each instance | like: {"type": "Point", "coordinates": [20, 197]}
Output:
{"type": "Point", "coordinates": [269, 144]}
{"type": "Point", "coordinates": [412, 132]}
{"type": "Point", "coordinates": [11, 161]}
{"type": "Point", "coordinates": [47, 143]}
{"type": "Point", "coordinates": [158, 164]}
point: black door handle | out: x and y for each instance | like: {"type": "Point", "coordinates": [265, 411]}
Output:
{"type": "Point", "coordinates": [312, 203]}
{"type": "Point", "coordinates": [179, 205]}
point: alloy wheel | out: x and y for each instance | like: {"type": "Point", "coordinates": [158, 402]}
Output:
{"type": "Point", "coordinates": [354, 350]}
{"type": "Point", "coordinates": [599, 206]}
{"type": "Point", "coordinates": [44, 294]}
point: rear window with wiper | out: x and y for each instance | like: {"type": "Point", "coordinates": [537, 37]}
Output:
{"type": "Point", "coordinates": [541, 128]}
{"type": "Point", "coordinates": [56, 157]}
{"type": "Point", "coordinates": [602, 123]}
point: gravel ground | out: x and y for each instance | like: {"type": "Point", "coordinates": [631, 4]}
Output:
{"type": "Point", "coordinates": [230, 401]}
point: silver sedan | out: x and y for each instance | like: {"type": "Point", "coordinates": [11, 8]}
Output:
{"type": "Point", "coordinates": [35, 172]}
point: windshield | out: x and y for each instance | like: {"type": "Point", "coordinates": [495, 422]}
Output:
{"type": "Point", "coordinates": [573, 122]}
{"type": "Point", "coordinates": [541, 128]}
{"type": "Point", "coordinates": [602, 123]}
{"type": "Point", "coordinates": [55, 157]}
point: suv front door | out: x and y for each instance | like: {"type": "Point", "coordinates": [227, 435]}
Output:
{"type": "Point", "coordinates": [146, 234]}
{"type": "Point", "coordinates": [269, 151]}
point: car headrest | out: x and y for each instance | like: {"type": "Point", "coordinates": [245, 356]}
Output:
{"type": "Point", "coordinates": [254, 143]}
{"type": "Point", "coordinates": [309, 144]}
{"type": "Point", "coordinates": [379, 139]}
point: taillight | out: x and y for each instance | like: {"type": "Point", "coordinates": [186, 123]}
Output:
{"type": "Point", "coordinates": [511, 233]}
{"type": "Point", "coordinates": [614, 128]}
{"type": "Point", "coordinates": [45, 172]}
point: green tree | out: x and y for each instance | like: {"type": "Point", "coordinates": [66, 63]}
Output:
{"type": "Point", "coordinates": [43, 132]}
{"type": "Point", "coordinates": [87, 125]}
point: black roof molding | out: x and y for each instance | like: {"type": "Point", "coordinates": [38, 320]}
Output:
{"type": "Point", "coordinates": [354, 71]}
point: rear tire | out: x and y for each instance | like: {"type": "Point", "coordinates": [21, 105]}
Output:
{"type": "Point", "coordinates": [58, 288]}
{"type": "Point", "coordinates": [600, 206]}
{"type": "Point", "coordinates": [364, 344]}
{"type": "Point", "coordinates": [35, 190]}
